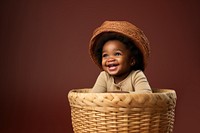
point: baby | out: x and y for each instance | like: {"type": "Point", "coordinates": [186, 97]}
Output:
{"type": "Point", "coordinates": [121, 50]}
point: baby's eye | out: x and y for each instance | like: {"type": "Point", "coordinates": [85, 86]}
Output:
{"type": "Point", "coordinates": [104, 55]}
{"type": "Point", "coordinates": [118, 54]}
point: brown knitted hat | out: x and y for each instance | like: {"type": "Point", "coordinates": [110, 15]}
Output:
{"type": "Point", "coordinates": [125, 28]}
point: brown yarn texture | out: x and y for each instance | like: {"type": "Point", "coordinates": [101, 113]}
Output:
{"type": "Point", "coordinates": [125, 28]}
{"type": "Point", "coordinates": [122, 112]}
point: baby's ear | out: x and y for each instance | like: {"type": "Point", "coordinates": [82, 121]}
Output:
{"type": "Point", "coordinates": [132, 61]}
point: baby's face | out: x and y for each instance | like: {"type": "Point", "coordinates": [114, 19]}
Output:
{"type": "Point", "coordinates": [116, 58]}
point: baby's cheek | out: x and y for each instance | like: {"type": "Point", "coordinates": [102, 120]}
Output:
{"type": "Point", "coordinates": [103, 62]}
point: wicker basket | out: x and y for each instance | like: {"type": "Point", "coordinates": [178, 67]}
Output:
{"type": "Point", "coordinates": [122, 112]}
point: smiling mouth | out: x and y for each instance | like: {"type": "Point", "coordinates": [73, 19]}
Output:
{"type": "Point", "coordinates": [112, 66]}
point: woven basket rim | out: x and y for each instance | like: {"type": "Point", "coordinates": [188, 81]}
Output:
{"type": "Point", "coordinates": [155, 91]}
{"type": "Point", "coordinates": [142, 100]}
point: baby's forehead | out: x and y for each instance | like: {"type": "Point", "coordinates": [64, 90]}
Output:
{"type": "Point", "coordinates": [115, 45]}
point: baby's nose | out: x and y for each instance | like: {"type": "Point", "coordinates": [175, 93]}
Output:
{"type": "Point", "coordinates": [110, 59]}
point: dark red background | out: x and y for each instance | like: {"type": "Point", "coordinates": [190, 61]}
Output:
{"type": "Point", "coordinates": [44, 54]}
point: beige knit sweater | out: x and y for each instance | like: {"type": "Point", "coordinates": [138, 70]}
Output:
{"type": "Point", "coordinates": [136, 81]}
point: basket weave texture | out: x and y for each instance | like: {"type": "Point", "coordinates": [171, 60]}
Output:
{"type": "Point", "coordinates": [122, 112]}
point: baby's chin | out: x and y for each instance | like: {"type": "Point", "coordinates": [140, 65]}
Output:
{"type": "Point", "coordinates": [112, 73]}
